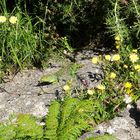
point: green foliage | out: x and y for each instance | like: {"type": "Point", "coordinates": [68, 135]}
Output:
{"type": "Point", "coordinates": [22, 127]}
{"type": "Point", "coordinates": [21, 44]}
{"type": "Point", "coordinates": [7, 132]}
{"type": "Point", "coordinates": [65, 120]}
{"type": "Point", "coordinates": [27, 127]}
{"type": "Point", "coordinates": [123, 20]}
{"type": "Point", "coordinates": [103, 137]}
{"type": "Point", "coordinates": [69, 121]}
{"type": "Point", "coordinates": [52, 121]}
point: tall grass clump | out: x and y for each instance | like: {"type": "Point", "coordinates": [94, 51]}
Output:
{"type": "Point", "coordinates": [21, 43]}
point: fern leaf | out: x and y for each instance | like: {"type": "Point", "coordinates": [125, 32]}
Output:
{"type": "Point", "coordinates": [52, 121]}
{"type": "Point", "coordinates": [67, 107]}
{"type": "Point", "coordinates": [76, 120]}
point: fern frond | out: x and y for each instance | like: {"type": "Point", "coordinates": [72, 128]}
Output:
{"type": "Point", "coordinates": [76, 121]}
{"type": "Point", "coordinates": [67, 107]}
{"type": "Point", "coordinates": [52, 121]}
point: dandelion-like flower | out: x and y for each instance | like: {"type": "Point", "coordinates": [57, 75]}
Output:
{"type": "Point", "coordinates": [134, 50]}
{"type": "Point", "coordinates": [112, 75]}
{"type": "Point", "coordinates": [137, 67]}
{"type": "Point", "coordinates": [66, 88]}
{"type": "Point", "coordinates": [117, 38]}
{"type": "Point", "coordinates": [13, 19]}
{"type": "Point", "coordinates": [133, 57]}
{"type": "Point", "coordinates": [128, 85]}
{"type": "Point", "coordinates": [116, 57]}
{"type": "Point", "coordinates": [90, 92]}
{"type": "Point", "coordinates": [108, 57]}
{"type": "Point", "coordinates": [117, 46]}
{"type": "Point", "coordinates": [125, 66]}
{"type": "Point", "coordinates": [95, 60]}
{"type": "Point", "coordinates": [101, 87]}
{"type": "Point", "coordinates": [127, 99]}
{"type": "Point", "coordinates": [2, 19]}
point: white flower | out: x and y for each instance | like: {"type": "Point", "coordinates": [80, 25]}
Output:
{"type": "Point", "coordinates": [129, 106]}
{"type": "Point", "coordinates": [110, 130]}
{"type": "Point", "coordinates": [127, 99]}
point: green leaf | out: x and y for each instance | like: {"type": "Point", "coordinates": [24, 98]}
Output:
{"type": "Point", "coordinates": [49, 78]}
{"type": "Point", "coordinates": [52, 121]}
{"type": "Point", "coordinates": [28, 127]}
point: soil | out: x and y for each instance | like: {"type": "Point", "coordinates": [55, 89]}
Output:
{"type": "Point", "coordinates": [24, 94]}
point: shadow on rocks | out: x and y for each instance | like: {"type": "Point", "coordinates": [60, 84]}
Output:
{"type": "Point", "coordinates": [135, 114]}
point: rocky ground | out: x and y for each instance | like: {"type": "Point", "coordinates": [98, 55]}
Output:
{"type": "Point", "coordinates": [24, 94]}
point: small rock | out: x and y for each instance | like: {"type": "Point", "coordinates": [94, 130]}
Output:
{"type": "Point", "coordinates": [138, 105]}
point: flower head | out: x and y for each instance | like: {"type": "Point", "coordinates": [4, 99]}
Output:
{"type": "Point", "coordinates": [127, 99]}
{"type": "Point", "coordinates": [137, 67]}
{"type": "Point", "coordinates": [108, 57]}
{"type": "Point", "coordinates": [101, 87]}
{"type": "Point", "coordinates": [112, 75]}
{"type": "Point", "coordinates": [133, 57]}
{"type": "Point", "coordinates": [127, 85]}
{"type": "Point", "coordinates": [125, 66]}
{"type": "Point", "coordinates": [66, 88]}
{"type": "Point", "coordinates": [117, 46]}
{"type": "Point", "coordinates": [116, 57]}
{"type": "Point", "coordinates": [117, 38]}
{"type": "Point", "coordinates": [13, 19]}
{"type": "Point", "coordinates": [90, 92]}
{"type": "Point", "coordinates": [134, 50]}
{"type": "Point", "coordinates": [2, 19]}
{"type": "Point", "coordinates": [95, 60]}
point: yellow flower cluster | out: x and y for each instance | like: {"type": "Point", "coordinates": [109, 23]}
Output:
{"type": "Point", "coordinates": [117, 41]}
{"type": "Point", "coordinates": [115, 57]}
{"type": "Point", "coordinates": [12, 19]}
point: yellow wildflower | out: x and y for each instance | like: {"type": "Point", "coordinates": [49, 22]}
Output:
{"type": "Point", "coordinates": [13, 19]}
{"type": "Point", "coordinates": [66, 88]}
{"type": "Point", "coordinates": [125, 66]}
{"type": "Point", "coordinates": [127, 85]}
{"type": "Point", "coordinates": [117, 38]}
{"type": "Point", "coordinates": [81, 110]}
{"type": "Point", "coordinates": [2, 19]}
{"type": "Point", "coordinates": [95, 60]}
{"type": "Point", "coordinates": [108, 57]}
{"type": "Point", "coordinates": [129, 91]}
{"type": "Point", "coordinates": [101, 87]}
{"type": "Point", "coordinates": [133, 57]}
{"type": "Point", "coordinates": [137, 67]}
{"type": "Point", "coordinates": [116, 57]}
{"type": "Point", "coordinates": [90, 92]}
{"type": "Point", "coordinates": [112, 75]}
{"type": "Point", "coordinates": [117, 46]}
{"type": "Point", "coordinates": [134, 50]}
